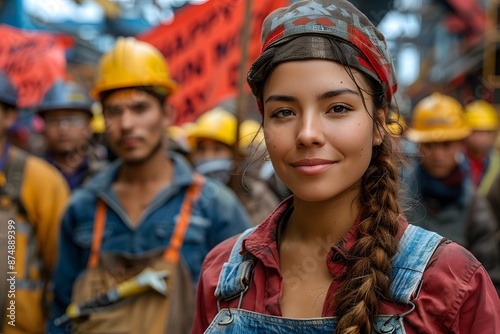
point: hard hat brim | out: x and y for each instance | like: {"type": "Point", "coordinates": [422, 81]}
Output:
{"type": "Point", "coordinates": [95, 93]}
{"type": "Point", "coordinates": [436, 136]}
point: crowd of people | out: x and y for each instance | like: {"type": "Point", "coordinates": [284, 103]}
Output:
{"type": "Point", "coordinates": [313, 218]}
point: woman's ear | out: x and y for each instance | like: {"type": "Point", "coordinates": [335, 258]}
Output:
{"type": "Point", "coordinates": [379, 130]}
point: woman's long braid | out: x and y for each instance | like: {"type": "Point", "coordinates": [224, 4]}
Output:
{"type": "Point", "coordinates": [367, 281]}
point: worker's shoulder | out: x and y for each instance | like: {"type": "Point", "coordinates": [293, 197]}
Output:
{"type": "Point", "coordinates": [451, 258]}
{"type": "Point", "coordinates": [41, 172]}
{"type": "Point", "coordinates": [217, 192]}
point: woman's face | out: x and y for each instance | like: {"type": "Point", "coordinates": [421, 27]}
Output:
{"type": "Point", "coordinates": [318, 132]}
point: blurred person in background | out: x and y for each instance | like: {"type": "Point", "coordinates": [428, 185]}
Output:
{"type": "Point", "coordinates": [146, 209]}
{"type": "Point", "coordinates": [212, 139]}
{"type": "Point", "coordinates": [440, 195]}
{"type": "Point", "coordinates": [482, 157]}
{"type": "Point", "coordinates": [66, 111]}
{"type": "Point", "coordinates": [33, 195]}
{"type": "Point", "coordinates": [493, 197]}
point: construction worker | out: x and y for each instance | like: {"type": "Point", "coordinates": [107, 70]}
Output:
{"type": "Point", "coordinates": [67, 115]}
{"type": "Point", "coordinates": [33, 195]}
{"type": "Point", "coordinates": [440, 195]}
{"type": "Point", "coordinates": [146, 209]}
{"type": "Point", "coordinates": [482, 157]}
{"type": "Point", "coordinates": [212, 140]}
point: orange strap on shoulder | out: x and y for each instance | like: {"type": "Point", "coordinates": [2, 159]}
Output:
{"type": "Point", "coordinates": [172, 252]}
{"type": "Point", "coordinates": [99, 223]}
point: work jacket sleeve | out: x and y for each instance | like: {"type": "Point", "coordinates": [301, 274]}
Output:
{"type": "Point", "coordinates": [479, 311]}
{"type": "Point", "coordinates": [226, 212]}
{"type": "Point", "coordinates": [481, 230]}
{"type": "Point", "coordinates": [72, 261]}
{"type": "Point", "coordinates": [44, 194]}
{"type": "Point", "coordinates": [493, 197]}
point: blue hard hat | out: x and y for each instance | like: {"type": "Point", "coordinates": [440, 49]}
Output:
{"type": "Point", "coordinates": [66, 95]}
{"type": "Point", "coordinates": [8, 93]}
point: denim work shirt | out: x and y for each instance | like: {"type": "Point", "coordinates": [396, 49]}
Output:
{"type": "Point", "coordinates": [216, 216]}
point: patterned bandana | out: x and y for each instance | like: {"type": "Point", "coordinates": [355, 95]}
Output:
{"type": "Point", "coordinates": [323, 29]}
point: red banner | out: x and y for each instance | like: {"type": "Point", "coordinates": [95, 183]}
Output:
{"type": "Point", "coordinates": [203, 51]}
{"type": "Point", "coordinates": [468, 18]}
{"type": "Point", "coordinates": [32, 60]}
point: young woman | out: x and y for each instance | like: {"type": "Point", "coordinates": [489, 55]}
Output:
{"type": "Point", "coordinates": [337, 256]}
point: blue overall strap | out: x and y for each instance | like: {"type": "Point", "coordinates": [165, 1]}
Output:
{"type": "Point", "coordinates": [415, 250]}
{"type": "Point", "coordinates": [236, 274]}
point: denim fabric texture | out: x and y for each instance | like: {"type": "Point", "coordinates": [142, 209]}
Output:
{"type": "Point", "coordinates": [415, 250]}
{"type": "Point", "coordinates": [236, 321]}
{"type": "Point", "coordinates": [232, 277]}
{"type": "Point", "coordinates": [216, 216]}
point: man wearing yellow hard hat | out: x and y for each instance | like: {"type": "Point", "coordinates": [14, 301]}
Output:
{"type": "Point", "coordinates": [440, 195]}
{"type": "Point", "coordinates": [146, 210]}
{"type": "Point", "coordinates": [482, 157]}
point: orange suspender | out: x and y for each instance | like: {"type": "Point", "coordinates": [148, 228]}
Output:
{"type": "Point", "coordinates": [99, 222]}
{"type": "Point", "coordinates": [172, 252]}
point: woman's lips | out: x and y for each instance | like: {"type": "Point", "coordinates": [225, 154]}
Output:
{"type": "Point", "coordinates": [312, 166]}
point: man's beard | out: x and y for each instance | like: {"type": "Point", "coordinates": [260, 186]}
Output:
{"type": "Point", "coordinates": [141, 161]}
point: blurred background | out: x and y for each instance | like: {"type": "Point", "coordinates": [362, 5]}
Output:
{"type": "Point", "coordinates": [438, 45]}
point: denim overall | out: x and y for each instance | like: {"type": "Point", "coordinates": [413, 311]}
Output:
{"type": "Point", "coordinates": [415, 249]}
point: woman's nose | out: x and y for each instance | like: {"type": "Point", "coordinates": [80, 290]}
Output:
{"type": "Point", "coordinates": [310, 132]}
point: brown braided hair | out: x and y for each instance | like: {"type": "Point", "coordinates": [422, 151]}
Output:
{"type": "Point", "coordinates": [367, 278]}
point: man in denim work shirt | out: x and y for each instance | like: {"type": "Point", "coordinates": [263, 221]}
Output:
{"type": "Point", "coordinates": [142, 192]}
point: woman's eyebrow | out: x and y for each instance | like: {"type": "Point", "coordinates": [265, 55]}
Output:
{"type": "Point", "coordinates": [326, 95]}
{"type": "Point", "coordinates": [282, 98]}
{"type": "Point", "coordinates": [337, 92]}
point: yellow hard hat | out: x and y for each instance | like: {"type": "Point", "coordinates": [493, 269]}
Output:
{"type": "Point", "coordinates": [482, 116]}
{"type": "Point", "coordinates": [250, 134]}
{"type": "Point", "coordinates": [438, 118]}
{"type": "Point", "coordinates": [216, 124]}
{"type": "Point", "coordinates": [132, 63]}
{"type": "Point", "coordinates": [396, 124]}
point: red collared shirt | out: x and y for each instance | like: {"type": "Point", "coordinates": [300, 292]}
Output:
{"type": "Point", "coordinates": [457, 295]}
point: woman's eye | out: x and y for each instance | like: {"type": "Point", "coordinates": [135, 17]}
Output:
{"type": "Point", "coordinates": [282, 113]}
{"type": "Point", "coordinates": [340, 109]}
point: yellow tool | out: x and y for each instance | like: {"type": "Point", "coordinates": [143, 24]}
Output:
{"type": "Point", "coordinates": [148, 279]}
